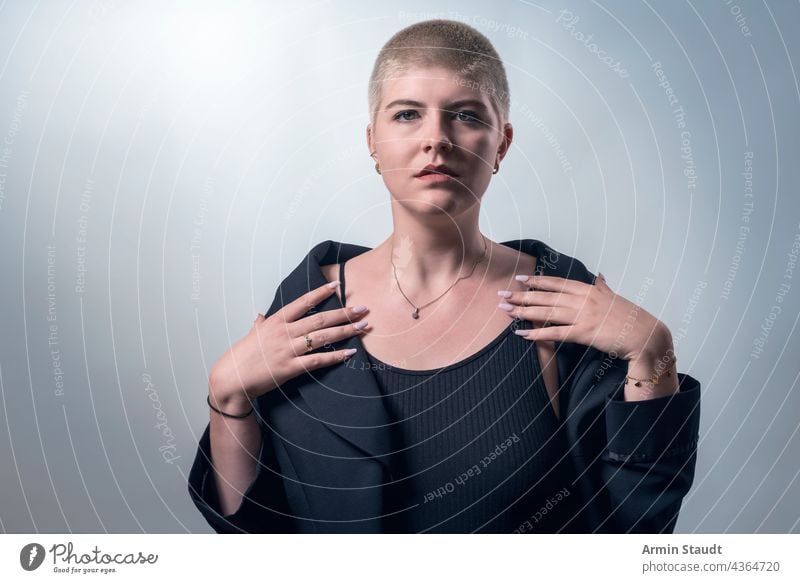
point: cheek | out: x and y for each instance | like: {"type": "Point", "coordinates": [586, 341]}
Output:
{"type": "Point", "coordinates": [480, 146]}
{"type": "Point", "coordinates": [481, 154]}
{"type": "Point", "coordinates": [397, 151]}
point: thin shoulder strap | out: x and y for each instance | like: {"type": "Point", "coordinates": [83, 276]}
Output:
{"type": "Point", "coordinates": [341, 282]}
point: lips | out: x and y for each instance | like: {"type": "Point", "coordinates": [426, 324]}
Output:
{"type": "Point", "coordinates": [432, 169]}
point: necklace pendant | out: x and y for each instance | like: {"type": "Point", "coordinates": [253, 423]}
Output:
{"type": "Point", "coordinates": [415, 314]}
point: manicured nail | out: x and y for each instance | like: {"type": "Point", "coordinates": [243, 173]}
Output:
{"type": "Point", "coordinates": [523, 333]}
{"type": "Point", "coordinates": [360, 308]}
{"type": "Point", "coordinates": [522, 277]}
{"type": "Point", "coordinates": [360, 325]}
{"type": "Point", "coordinates": [505, 306]}
{"type": "Point", "coordinates": [333, 284]}
{"type": "Point", "coordinates": [350, 351]}
{"type": "Point", "coordinates": [504, 293]}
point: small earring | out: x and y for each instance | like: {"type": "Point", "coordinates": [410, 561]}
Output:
{"type": "Point", "coordinates": [496, 168]}
{"type": "Point", "coordinates": [377, 168]}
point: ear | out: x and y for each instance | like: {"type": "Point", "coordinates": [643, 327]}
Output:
{"type": "Point", "coordinates": [505, 142]}
{"type": "Point", "coordinates": [370, 140]}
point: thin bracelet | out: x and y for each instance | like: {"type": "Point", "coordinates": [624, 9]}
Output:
{"type": "Point", "coordinates": [208, 400]}
{"type": "Point", "coordinates": [656, 378]}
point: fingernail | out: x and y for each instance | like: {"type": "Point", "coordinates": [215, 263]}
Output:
{"type": "Point", "coordinates": [523, 333]}
{"type": "Point", "coordinates": [359, 308]}
{"type": "Point", "coordinates": [333, 284]}
{"type": "Point", "coordinates": [360, 325]}
{"type": "Point", "coordinates": [505, 293]}
{"type": "Point", "coordinates": [505, 306]}
{"type": "Point", "coordinates": [522, 278]}
{"type": "Point", "coordinates": [350, 351]}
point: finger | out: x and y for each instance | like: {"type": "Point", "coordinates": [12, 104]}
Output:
{"type": "Point", "coordinates": [539, 314]}
{"type": "Point", "coordinates": [296, 308]}
{"type": "Point", "coordinates": [326, 319]}
{"type": "Point", "coordinates": [536, 298]}
{"type": "Point", "coordinates": [548, 334]}
{"type": "Point", "coordinates": [317, 360]}
{"type": "Point", "coordinates": [316, 339]}
{"type": "Point", "coordinates": [551, 283]}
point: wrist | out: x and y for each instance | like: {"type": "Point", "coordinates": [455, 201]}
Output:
{"type": "Point", "coordinates": [653, 372]}
{"type": "Point", "coordinates": [658, 343]}
{"type": "Point", "coordinates": [232, 402]}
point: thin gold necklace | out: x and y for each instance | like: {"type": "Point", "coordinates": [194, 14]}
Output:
{"type": "Point", "coordinates": [415, 313]}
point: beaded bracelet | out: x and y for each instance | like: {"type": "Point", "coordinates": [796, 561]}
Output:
{"type": "Point", "coordinates": [208, 400]}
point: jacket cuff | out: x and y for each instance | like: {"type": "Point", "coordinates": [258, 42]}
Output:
{"type": "Point", "coordinates": [203, 488]}
{"type": "Point", "coordinates": [653, 429]}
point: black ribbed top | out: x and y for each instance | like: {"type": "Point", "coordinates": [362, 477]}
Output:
{"type": "Point", "coordinates": [478, 445]}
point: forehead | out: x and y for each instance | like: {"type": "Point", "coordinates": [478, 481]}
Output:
{"type": "Point", "coordinates": [432, 86]}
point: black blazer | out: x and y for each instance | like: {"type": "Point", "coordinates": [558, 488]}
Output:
{"type": "Point", "coordinates": [324, 454]}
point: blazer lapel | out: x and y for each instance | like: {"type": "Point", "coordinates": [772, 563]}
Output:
{"type": "Point", "coordinates": [571, 359]}
{"type": "Point", "coordinates": [344, 397]}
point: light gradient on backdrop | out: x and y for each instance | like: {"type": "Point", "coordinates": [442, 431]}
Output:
{"type": "Point", "coordinates": [163, 168]}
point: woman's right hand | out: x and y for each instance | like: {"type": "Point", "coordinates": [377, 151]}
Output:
{"type": "Point", "coordinates": [274, 350]}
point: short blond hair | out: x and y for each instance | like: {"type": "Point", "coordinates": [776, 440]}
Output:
{"type": "Point", "coordinates": [446, 43]}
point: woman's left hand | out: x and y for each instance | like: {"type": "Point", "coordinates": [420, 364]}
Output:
{"type": "Point", "coordinates": [591, 315]}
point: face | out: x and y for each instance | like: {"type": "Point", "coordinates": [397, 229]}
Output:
{"type": "Point", "coordinates": [426, 118]}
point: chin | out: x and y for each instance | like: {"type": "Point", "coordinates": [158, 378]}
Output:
{"type": "Point", "coordinates": [440, 204]}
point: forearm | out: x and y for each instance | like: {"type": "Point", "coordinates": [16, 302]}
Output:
{"type": "Point", "coordinates": [235, 447]}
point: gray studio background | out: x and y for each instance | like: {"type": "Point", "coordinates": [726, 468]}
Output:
{"type": "Point", "coordinates": [162, 168]}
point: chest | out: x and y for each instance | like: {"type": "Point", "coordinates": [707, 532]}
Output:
{"type": "Point", "coordinates": [440, 338]}
{"type": "Point", "coordinates": [435, 340]}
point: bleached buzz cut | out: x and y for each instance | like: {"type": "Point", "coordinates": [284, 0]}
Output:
{"type": "Point", "coordinates": [443, 43]}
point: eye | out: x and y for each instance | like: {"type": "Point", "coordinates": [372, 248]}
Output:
{"type": "Point", "coordinates": [468, 116]}
{"type": "Point", "coordinates": [400, 115]}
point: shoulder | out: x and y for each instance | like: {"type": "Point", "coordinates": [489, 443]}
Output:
{"type": "Point", "coordinates": [330, 271]}
{"type": "Point", "coordinates": [552, 262]}
{"type": "Point", "coordinates": [325, 257]}
{"type": "Point", "coordinates": [313, 270]}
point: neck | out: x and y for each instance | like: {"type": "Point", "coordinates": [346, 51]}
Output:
{"type": "Point", "coordinates": [429, 258]}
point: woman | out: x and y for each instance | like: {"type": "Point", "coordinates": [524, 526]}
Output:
{"type": "Point", "coordinates": [406, 398]}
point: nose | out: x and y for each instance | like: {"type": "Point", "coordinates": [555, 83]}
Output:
{"type": "Point", "coordinates": [436, 135]}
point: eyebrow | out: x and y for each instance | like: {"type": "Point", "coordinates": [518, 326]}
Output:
{"type": "Point", "coordinates": [451, 106]}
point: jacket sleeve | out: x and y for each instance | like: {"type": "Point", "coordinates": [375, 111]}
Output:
{"type": "Point", "coordinates": [643, 460]}
{"type": "Point", "coordinates": [264, 507]}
